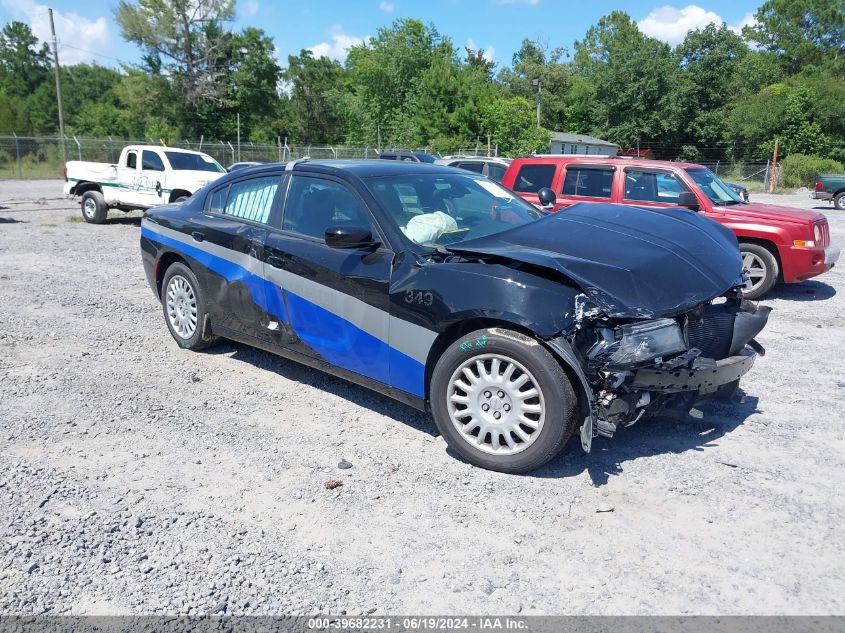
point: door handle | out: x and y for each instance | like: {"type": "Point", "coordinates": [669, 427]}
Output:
{"type": "Point", "coordinates": [277, 262]}
{"type": "Point", "coordinates": [199, 237]}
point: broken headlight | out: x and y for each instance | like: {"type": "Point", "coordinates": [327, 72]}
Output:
{"type": "Point", "coordinates": [640, 342]}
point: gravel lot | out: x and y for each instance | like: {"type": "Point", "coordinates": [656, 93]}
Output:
{"type": "Point", "coordinates": [136, 477]}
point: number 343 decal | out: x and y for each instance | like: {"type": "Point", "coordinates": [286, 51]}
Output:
{"type": "Point", "coordinates": [419, 297]}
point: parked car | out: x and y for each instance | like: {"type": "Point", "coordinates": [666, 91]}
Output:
{"type": "Point", "coordinates": [739, 190]}
{"type": "Point", "coordinates": [411, 157]}
{"type": "Point", "coordinates": [491, 166]}
{"type": "Point", "coordinates": [242, 165]}
{"type": "Point", "coordinates": [778, 244]}
{"type": "Point", "coordinates": [144, 177]}
{"type": "Point", "coordinates": [444, 290]}
{"type": "Point", "coordinates": [830, 187]}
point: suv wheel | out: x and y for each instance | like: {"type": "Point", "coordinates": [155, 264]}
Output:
{"type": "Point", "coordinates": [839, 201]}
{"type": "Point", "coordinates": [502, 401]}
{"type": "Point", "coordinates": [762, 269]}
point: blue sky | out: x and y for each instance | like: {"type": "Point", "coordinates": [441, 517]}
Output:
{"type": "Point", "coordinates": [87, 32]}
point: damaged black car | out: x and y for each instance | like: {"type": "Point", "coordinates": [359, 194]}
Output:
{"type": "Point", "coordinates": [516, 329]}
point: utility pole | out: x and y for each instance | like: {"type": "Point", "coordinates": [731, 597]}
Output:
{"type": "Point", "coordinates": [774, 175]}
{"type": "Point", "coordinates": [58, 85]}
{"type": "Point", "coordinates": [239, 136]}
{"type": "Point", "coordinates": [536, 82]}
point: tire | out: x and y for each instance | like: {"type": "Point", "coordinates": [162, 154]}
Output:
{"type": "Point", "coordinates": [183, 305]}
{"type": "Point", "coordinates": [94, 207]}
{"type": "Point", "coordinates": [507, 445]}
{"type": "Point", "coordinates": [839, 201]}
{"type": "Point", "coordinates": [763, 267]}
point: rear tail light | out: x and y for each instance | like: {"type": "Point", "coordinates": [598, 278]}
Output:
{"type": "Point", "coordinates": [819, 186]}
{"type": "Point", "coordinates": [64, 171]}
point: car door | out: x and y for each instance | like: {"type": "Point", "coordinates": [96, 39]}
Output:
{"type": "Point", "coordinates": [333, 303]}
{"type": "Point", "coordinates": [586, 183]}
{"type": "Point", "coordinates": [647, 187]}
{"type": "Point", "coordinates": [232, 232]}
{"type": "Point", "coordinates": [150, 178]}
{"type": "Point", "coordinates": [127, 176]}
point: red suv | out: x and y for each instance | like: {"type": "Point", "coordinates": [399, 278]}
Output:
{"type": "Point", "coordinates": [778, 244]}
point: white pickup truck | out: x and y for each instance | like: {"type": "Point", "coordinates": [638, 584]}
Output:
{"type": "Point", "coordinates": [145, 176]}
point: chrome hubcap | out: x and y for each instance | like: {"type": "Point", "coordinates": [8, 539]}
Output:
{"type": "Point", "coordinates": [755, 269]}
{"type": "Point", "coordinates": [89, 208]}
{"type": "Point", "coordinates": [181, 307]}
{"type": "Point", "coordinates": [496, 404]}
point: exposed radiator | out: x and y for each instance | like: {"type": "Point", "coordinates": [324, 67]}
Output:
{"type": "Point", "coordinates": [712, 333]}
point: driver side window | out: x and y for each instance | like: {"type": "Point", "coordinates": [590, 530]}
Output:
{"type": "Point", "coordinates": [314, 204]}
{"type": "Point", "coordinates": [651, 186]}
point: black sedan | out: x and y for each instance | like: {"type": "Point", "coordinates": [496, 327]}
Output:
{"type": "Point", "coordinates": [446, 291]}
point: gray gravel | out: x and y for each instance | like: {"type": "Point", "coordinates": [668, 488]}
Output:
{"type": "Point", "coordinates": [136, 477]}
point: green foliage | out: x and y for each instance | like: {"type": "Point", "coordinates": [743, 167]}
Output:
{"type": "Point", "coordinates": [800, 170]}
{"type": "Point", "coordinates": [715, 96]}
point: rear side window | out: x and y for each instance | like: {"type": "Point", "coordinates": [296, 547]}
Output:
{"type": "Point", "coordinates": [251, 199]}
{"type": "Point", "coordinates": [496, 172]}
{"type": "Point", "coordinates": [476, 167]}
{"type": "Point", "coordinates": [152, 161]}
{"type": "Point", "coordinates": [588, 182]}
{"type": "Point", "coordinates": [217, 204]}
{"type": "Point", "coordinates": [532, 178]}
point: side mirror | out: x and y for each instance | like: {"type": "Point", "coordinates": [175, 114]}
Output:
{"type": "Point", "coordinates": [349, 237]}
{"type": "Point", "coordinates": [687, 199]}
{"type": "Point", "coordinates": [547, 197]}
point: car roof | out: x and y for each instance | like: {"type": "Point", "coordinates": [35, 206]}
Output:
{"type": "Point", "coordinates": [610, 160]}
{"type": "Point", "coordinates": [362, 168]}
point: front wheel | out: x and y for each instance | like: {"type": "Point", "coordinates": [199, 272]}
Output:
{"type": "Point", "coordinates": [761, 267]}
{"type": "Point", "coordinates": [502, 401]}
{"type": "Point", "coordinates": [184, 307]}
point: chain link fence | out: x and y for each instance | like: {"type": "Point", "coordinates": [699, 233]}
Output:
{"type": "Point", "coordinates": [29, 157]}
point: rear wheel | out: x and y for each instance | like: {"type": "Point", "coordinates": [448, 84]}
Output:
{"type": "Point", "coordinates": [762, 269]}
{"type": "Point", "coordinates": [94, 207]}
{"type": "Point", "coordinates": [501, 401]}
{"type": "Point", "coordinates": [184, 308]}
{"type": "Point", "coordinates": [839, 201]}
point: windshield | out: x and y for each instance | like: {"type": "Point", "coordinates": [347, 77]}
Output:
{"type": "Point", "coordinates": [437, 210]}
{"type": "Point", "coordinates": [182, 161]}
{"type": "Point", "coordinates": [714, 188]}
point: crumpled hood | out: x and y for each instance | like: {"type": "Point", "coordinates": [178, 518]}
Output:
{"type": "Point", "coordinates": [633, 262]}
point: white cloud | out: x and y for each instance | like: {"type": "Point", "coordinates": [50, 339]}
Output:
{"type": "Point", "coordinates": [489, 51]}
{"type": "Point", "coordinates": [531, 2]}
{"type": "Point", "coordinates": [251, 7]}
{"type": "Point", "coordinates": [339, 46]}
{"type": "Point", "coordinates": [73, 31]}
{"type": "Point", "coordinates": [385, 6]}
{"type": "Point", "coordinates": [670, 24]}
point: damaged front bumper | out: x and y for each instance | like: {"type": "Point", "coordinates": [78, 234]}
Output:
{"type": "Point", "coordinates": [629, 369]}
{"type": "Point", "coordinates": [705, 375]}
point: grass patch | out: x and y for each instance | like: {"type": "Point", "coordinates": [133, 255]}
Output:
{"type": "Point", "coordinates": [74, 218]}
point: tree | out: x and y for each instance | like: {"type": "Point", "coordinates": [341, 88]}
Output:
{"type": "Point", "coordinates": [533, 62]}
{"type": "Point", "coordinates": [185, 35]}
{"type": "Point", "coordinates": [708, 59]}
{"type": "Point", "coordinates": [23, 64]}
{"type": "Point", "coordinates": [634, 78]}
{"type": "Point", "coordinates": [315, 87]}
{"type": "Point", "coordinates": [512, 125]}
{"type": "Point", "coordinates": [801, 32]}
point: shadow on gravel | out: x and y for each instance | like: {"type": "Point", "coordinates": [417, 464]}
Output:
{"type": "Point", "coordinates": [132, 220]}
{"type": "Point", "coordinates": [804, 291]}
{"type": "Point", "coordinates": [657, 436]}
{"type": "Point", "coordinates": [10, 220]}
{"type": "Point", "coordinates": [296, 372]}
